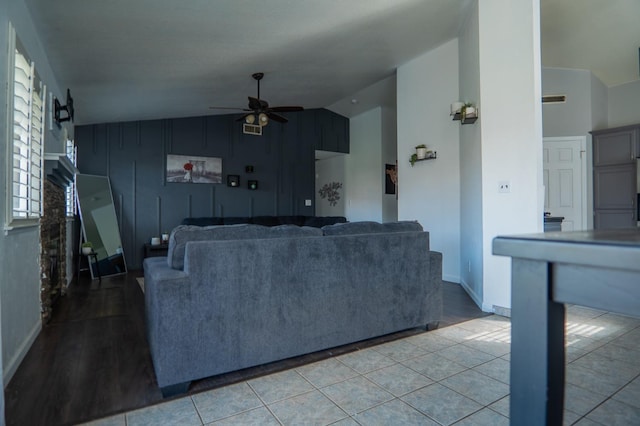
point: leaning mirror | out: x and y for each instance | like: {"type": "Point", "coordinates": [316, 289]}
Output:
{"type": "Point", "coordinates": [100, 225]}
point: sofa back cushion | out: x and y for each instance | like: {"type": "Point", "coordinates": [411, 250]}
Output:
{"type": "Point", "coordinates": [320, 221]}
{"type": "Point", "coordinates": [403, 226]}
{"type": "Point", "coordinates": [182, 234]}
{"type": "Point", "coordinates": [368, 227]}
{"type": "Point", "coordinates": [202, 221]}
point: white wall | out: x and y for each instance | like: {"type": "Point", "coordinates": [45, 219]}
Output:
{"type": "Point", "coordinates": [19, 248]}
{"type": "Point", "coordinates": [599, 104]}
{"type": "Point", "coordinates": [509, 36]}
{"type": "Point", "coordinates": [389, 156]}
{"type": "Point", "coordinates": [585, 110]}
{"type": "Point", "coordinates": [364, 172]}
{"type": "Point", "coordinates": [330, 170]}
{"type": "Point", "coordinates": [471, 250]}
{"type": "Point", "coordinates": [430, 190]}
{"type": "Point", "coordinates": [623, 104]}
{"type": "Point", "coordinates": [572, 118]}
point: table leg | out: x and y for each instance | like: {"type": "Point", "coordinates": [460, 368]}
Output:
{"type": "Point", "coordinates": [537, 346]}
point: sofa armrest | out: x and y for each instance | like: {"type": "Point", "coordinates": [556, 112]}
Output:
{"type": "Point", "coordinates": [435, 277]}
{"type": "Point", "coordinates": [167, 294]}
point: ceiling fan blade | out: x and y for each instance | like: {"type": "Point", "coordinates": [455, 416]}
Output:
{"type": "Point", "coordinates": [277, 117]}
{"type": "Point", "coordinates": [287, 108]}
{"type": "Point", "coordinates": [235, 108]}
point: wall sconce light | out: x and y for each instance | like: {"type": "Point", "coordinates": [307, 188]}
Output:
{"type": "Point", "coordinates": [466, 113]}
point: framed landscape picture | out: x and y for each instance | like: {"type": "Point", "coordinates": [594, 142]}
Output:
{"type": "Point", "coordinates": [194, 169]}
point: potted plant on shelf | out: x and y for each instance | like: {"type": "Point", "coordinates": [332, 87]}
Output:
{"type": "Point", "coordinates": [87, 248]}
{"type": "Point", "coordinates": [421, 151]}
{"type": "Point", "coordinates": [468, 110]}
{"type": "Point", "coordinates": [413, 159]}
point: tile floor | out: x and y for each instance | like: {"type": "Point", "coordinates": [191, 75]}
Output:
{"type": "Point", "coordinates": [455, 375]}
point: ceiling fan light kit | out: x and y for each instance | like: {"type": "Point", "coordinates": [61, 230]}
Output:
{"type": "Point", "coordinates": [258, 109]}
{"type": "Point", "coordinates": [251, 129]}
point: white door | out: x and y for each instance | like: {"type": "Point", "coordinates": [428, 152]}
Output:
{"type": "Point", "coordinates": [565, 180]}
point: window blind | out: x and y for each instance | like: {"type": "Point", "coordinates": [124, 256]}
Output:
{"type": "Point", "coordinates": [71, 189]}
{"type": "Point", "coordinates": [28, 129]}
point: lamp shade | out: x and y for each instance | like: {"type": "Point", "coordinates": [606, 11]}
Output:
{"type": "Point", "coordinates": [250, 119]}
{"type": "Point", "coordinates": [263, 119]}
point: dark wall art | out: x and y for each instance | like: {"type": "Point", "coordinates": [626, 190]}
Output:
{"type": "Point", "coordinates": [330, 192]}
{"type": "Point", "coordinates": [390, 179]}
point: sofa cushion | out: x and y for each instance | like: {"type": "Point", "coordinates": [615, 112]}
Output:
{"type": "Point", "coordinates": [282, 231]}
{"type": "Point", "coordinates": [292, 220]}
{"type": "Point", "coordinates": [369, 227]}
{"type": "Point", "coordinates": [265, 220]}
{"type": "Point", "coordinates": [320, 221]}
{"type": "Point", "coordinates": [403, 226]}
{"type": "Point", "coordinates": [202, 221]}
{"type": "Point", "coordinates": [185, 233]}
{"type": "Point", "coordinates": [236, 220]}
{"type": "Point", "coordinates": [181, 235]}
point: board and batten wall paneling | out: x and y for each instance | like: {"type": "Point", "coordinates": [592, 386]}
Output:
{"type": "Point", "coordinates": [133, 155]}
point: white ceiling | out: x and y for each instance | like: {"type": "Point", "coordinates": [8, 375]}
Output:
{"type": "Point", "coordinates": [600, 36]}
{"type": "Point", "coordinates": [145, 59]}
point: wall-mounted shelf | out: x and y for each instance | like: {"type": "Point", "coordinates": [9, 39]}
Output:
{"type": "Point", "coordinates": [431, 156]}
{"type": "Point", "coordinates": [468, 120]}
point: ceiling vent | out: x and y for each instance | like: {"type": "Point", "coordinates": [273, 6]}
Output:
{"type": "Point", "coordinates": [251, 129]}
{"type": "Point", "coordinates": [554, 99]}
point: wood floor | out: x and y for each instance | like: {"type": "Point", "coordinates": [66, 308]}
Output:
{"type": "Point", "coordinates": [92, 359]}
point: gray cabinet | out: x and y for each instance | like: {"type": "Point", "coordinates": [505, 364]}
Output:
{"type": "Point", "coordinates": [615, 147]}
{"type": "Point", "coordinates": [333, 131]}
{"type": "Point", "coordinates": [615, 177]}
{"type": "Point", "coordinates": [611, 219]}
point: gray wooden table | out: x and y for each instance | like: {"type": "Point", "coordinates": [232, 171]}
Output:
{"type": "Point", "coordinates": [598, 269]}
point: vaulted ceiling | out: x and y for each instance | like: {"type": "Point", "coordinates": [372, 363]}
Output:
{"type": "Point", "coordinates": [145, 59]}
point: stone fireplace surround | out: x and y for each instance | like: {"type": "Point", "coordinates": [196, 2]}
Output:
{"type": "Point", "coordinates": [53, 243]}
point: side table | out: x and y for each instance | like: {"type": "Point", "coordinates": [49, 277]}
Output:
{"type": "Point", "coordinates": [155, 250]}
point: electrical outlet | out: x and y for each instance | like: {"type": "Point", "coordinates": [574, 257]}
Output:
{"type": "Point", "coordinates": [307, 203]}
{"type": "Point", "coordinates": [504, 186]}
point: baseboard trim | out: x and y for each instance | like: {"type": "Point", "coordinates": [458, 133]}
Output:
{"type": "Point", "coordinates": [12, 366]}
{"type": "Point", "coordinates": [474, 296]}
{"type": "Point", "coordinates": [502, 311]}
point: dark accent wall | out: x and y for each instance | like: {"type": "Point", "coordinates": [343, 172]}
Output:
{"type": "Point", "coordinates": [133, 155]}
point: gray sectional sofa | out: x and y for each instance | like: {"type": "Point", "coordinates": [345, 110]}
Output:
{"type": "Point", "coordinates": [235, 296]}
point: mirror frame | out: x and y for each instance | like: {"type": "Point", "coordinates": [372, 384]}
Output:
{"type": "Point", "coordinates": [115, 260]}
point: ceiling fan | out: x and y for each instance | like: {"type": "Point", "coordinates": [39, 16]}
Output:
{"type": "Point", "coordinates": [259, 109]}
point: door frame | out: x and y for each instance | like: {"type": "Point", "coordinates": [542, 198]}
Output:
{"type": "Point", "coordinates": [583, 173]}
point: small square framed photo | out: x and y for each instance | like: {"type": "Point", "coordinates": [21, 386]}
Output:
{"type": "Point", "coordinates": [233, 180]}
